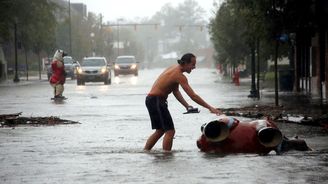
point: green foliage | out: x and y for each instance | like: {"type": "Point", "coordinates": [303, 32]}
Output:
{"type": "Point", "coordinates": [269, 76]}
{"type": "Point", "coordinates": [6, 18]}
{"type": "Point", "coordinates": [238, 26]}
{"type": "Point", "coordinates": [227, 30]}
{"type": "Point", "coordinates": [34, 19]}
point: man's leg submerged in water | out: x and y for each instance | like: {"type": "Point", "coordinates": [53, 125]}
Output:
{"type": "Point", "coordinates": [151, 141]}
{"type": "Point", "coordinates": [167, 140]}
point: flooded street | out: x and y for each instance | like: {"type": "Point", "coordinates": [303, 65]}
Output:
{"type": "Point", "coordinates": [107, 147]}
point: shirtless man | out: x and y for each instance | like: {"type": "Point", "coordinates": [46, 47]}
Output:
{"type": "Point", "coordinates": [156, 101]}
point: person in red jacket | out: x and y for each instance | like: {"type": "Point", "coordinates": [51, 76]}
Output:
{"type": "Point", "coordinates": [58, 76]}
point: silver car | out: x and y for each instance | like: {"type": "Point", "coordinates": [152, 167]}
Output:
{"type": "Point", "coordinates": [126, 65]}
{"type": "Point", "coordinates": [94, 69]}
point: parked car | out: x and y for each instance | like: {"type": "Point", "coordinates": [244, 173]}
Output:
{"type": "Point", "coordinates": [47, 64]}
{"type": "Point", "coordinates": [126, 65]}
{"type": "Point", "coordinates": [70, 67]}
{"type": "Point", "coordinates": [94, 69]}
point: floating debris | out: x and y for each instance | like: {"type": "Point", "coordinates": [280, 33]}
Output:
{"type": "Point", "coordinates": [279, 114]}
{"type": "Point", "coordinates": [12, 120]}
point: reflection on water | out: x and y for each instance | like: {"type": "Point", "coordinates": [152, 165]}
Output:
{"type": "Point", "coordinates": [103, 88]}
{"type": "Point", "coordinates": [133, 80]}
{"type": "Point", "coordinates": [161, 156]}
{"type": "Point", "coordinates": [116, 80]}
{"type": "Point", "coordinates": [80, 88]}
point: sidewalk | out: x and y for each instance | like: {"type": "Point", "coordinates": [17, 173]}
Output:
{"type": "Point", "coordinates": [293, 102]}
{"type": "Point", "coordinates": [22, 81]}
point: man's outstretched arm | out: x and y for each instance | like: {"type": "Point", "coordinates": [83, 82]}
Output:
{"type": "Point", "coordinates": [180, 98]}
{"type": "Point", "coordinates": [196, 98]}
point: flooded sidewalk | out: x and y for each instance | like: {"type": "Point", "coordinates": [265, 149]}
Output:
{"type": "Point", "coordinates": [294, 102]}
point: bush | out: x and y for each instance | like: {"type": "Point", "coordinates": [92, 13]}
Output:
{"type": "Point", "coordinates": [269, 76]}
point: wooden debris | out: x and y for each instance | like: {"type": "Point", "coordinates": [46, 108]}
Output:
{"type": "Point", "coordinates": [12, 120]}
{"type": "Point", "coordinates": [279, 114]}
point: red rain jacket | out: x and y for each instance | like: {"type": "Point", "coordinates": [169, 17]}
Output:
{"type": "Point", "coordinates": [58, 72]}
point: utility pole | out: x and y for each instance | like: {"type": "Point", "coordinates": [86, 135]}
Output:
{"type": "Point", "coordinates": [276, 74]}
{"type": "Point", "coordinates": [253, 92]}
{"type": "Point", "coordinates": [258, 66]}
{"type": "Point", "coordinates": [70, 27]}
{"type": "Point", "coordinates": [16, 78]}
{"type": "Point", "coordinates": [118, 36]}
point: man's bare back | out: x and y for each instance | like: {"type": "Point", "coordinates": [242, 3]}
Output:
{"type": "Point", "coordinates": [167, 82]}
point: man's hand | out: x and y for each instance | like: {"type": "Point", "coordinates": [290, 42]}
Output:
{"type": "Point", "coordinates": [215, 111]}
{"type": "Point", "coordinates": [189, 107]}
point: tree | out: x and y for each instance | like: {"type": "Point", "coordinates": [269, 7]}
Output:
{"type": "Point", "coordinates": [239, 25]}
{"type": "Point", "coordinates": [35, 17]}
{"type": "Point", "coordinates": [227, 30]}
{"type": "Point", "coordinates": [182, 28]}
{"type": "Point", "coordinates": [6, 18]}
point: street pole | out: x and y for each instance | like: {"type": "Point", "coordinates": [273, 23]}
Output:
{"type": "Point", "coordinates": [276, 74]}
{"type": "Point", "coordinates": [258, 67]}
{"type": "Point", "coordinates": [118, 35]}
{"type": "Point", "coordinates": [16, 79]}
{"type": "Point", "coordinates": [92, 35]}
{"type": "Point", "coordinates": [253, 92]}
{"type": "Point", "coordinates": [118, 38]}
{"type": "Point", "coordinates": [70, 27]}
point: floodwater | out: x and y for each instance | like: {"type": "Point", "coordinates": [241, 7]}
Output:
{"type": "Point", "coordinates": [107, 147]}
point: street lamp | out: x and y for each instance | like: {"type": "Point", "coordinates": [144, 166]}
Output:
{"type": "Point", "coordinates": [118, 35]}
{"type": "Point", "coordinates": [92, 35]}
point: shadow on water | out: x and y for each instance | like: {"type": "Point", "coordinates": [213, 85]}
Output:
{"type": "Point", "coordinates": [58, 101]}
{"type": "Point", "coordinates": [210, 156]}
{"type": "Point", "coordinates": [161, 156]}
{"type": "Point", "coordinates": [164, 156]}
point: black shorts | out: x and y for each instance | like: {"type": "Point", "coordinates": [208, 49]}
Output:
{"type": "Point", "coordinates": [159, 114]}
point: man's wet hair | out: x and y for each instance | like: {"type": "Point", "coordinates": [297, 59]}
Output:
{"type": "Point", "coordinates": [186, 58]}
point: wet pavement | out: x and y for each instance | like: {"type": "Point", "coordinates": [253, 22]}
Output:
{"type": "Point", "coordinates": [107, 146]}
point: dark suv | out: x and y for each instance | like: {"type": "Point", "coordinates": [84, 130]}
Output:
{"type": "Point", "coordinates": [126, 65]}
{"type": "Point", "coordinates": [47, 64]}
{"type": "Point", "coordinates": [70, 67]}
{"type": "Point", "coordinates": [94, 69]}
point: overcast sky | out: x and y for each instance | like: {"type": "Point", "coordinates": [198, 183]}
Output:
{"type": "Point", "coordinates": [131, 9]}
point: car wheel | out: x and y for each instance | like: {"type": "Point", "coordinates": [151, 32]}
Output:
{"type": "Point", "coordinates": [136, 74]}
{"type": "Point", "coordinates": [78, 82]}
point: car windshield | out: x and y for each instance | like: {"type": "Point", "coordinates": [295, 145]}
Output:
{"type": "Point", "coordinates": [125, 60]}
{"type": "Point", "coordinates": [68, 60]}
{"type": "Point", "coordinates": [93, 62]}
